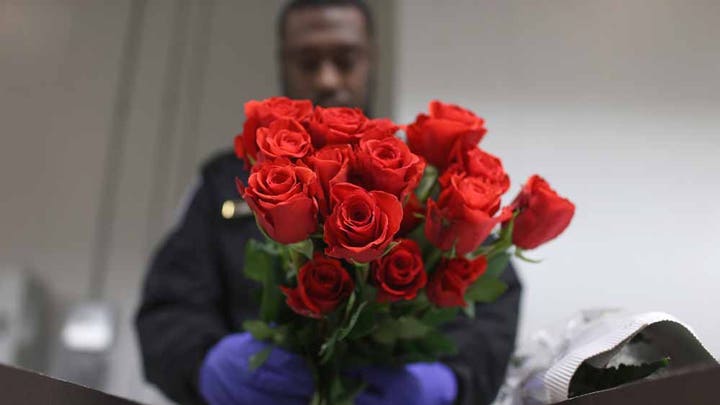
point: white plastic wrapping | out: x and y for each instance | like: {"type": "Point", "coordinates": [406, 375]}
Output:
{"type": "Point", "coordinates": [543, 367]}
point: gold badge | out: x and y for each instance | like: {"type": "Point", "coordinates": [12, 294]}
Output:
{"type": "Point", "coordinates": [233, 209]}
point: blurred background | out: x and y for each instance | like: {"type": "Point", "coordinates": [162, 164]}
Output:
{"type": "Point", "coordinates": [107, 108]}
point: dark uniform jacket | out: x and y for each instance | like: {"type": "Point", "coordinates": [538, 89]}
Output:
{"type": "Point", "coordinates": [195, 294]}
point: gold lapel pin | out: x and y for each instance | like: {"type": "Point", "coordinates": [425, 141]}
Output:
{"type": "Point", "coordinates": [235, 209]}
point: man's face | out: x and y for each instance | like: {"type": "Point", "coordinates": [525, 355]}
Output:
{"type": "Point", "coordinates": [327, 56]}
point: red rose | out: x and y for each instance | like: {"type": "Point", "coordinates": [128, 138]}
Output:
{"type": "Point", "coordinates": [323, 284]}
{"type": "Point", "coordinates": [410, 220]}
{"type": "Point", "coordinates": [388, 165]}
{"type": "Point", "coordinates": [451, 279]}
{"type": "Point", "coordinates": [284, 137]}
{"type": "Point", "coordinates": [282, 196]}
{"type": "Point", "coordinates": [337, 125]}
{"type": "Point", "coordinates": [447, 128]}
{"type": "Point", "coordinates": [362, 224]}
{"type": "Point", "coordinates": [379, 128]}
{"type": "Point", "coordinates": [261, 114]}
{"type": "Point", "coordinates": [332, 165]}
{"type": "Point", "coordinates": [543, 214]}
{"type": "Point", "coordinates": [463, 214]}
{"type": "Point", "coordinates": [400, 273]}
{"type": "Point", "coordinates": [476, 162]}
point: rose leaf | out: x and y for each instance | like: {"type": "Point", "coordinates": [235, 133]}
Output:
{"type": "Point", "coordinates": [485, 289]}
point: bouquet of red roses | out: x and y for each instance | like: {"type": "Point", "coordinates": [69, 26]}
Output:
{"type": "Point", "coordinates": [373, 243]}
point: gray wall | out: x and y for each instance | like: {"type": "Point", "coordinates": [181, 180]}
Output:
{"type": "Point", "coordinates": [107, 109]}
{"type": "Point", "coordinates": [164, 81]}
{"type": "Point", "coordinates": [616, 102]}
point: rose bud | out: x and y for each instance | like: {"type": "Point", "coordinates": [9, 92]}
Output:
{"type": "Point", "coordinates": [323, 284]}
{"type": "Point", "coordinates": [362, 224]}
{"type": "Point", "coordinates": [475, 162]}
{"type": "Point", "coordinates": [388, 165]}
{"type": "Point", "coordinates": [451, 279]}
{"type": "Point", "coordinates": [337, 125]}
{"type": "Point", "coordinates": [284, 137]}
{"type": "Point", "coordinates": [332, 165]}
{"type": "Point", "coordinates": [379, 128]}
{"type": "Point", "coordinates": [399, 274]}
{"type": "Point", "coordinates": [283, 198]}
{"type": "Point", "coordinates": [543, 214]}
{"type": "Point", "coordinates": [261, 114]}
{"type": "Point", "coordinates": [463, 214]}
{"type": "Point", "coordinates": [445, 131]}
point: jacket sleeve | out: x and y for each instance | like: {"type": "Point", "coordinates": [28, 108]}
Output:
{"type": "Point", "coordinates": [485, 344]}
{"type": "Point", "coordinates": [181, 313]}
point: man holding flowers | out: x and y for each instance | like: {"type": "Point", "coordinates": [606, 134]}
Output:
{"type": "Point", "coordinates": [329, 175]}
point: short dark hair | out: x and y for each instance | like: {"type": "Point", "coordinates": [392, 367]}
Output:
{"type": "Point", "coordinates": [294, 5]}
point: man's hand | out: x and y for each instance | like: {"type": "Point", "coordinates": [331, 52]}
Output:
{"type": "Point", "coordinates": [414, 384]}
{"type": "Point", "coordinates": [226, 378]}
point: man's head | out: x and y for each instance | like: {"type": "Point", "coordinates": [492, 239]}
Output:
{"type": "Point", "coordinates": [327, 52]}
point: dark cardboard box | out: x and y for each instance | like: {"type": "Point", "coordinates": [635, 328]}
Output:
{"type": "Point", "coordinates": [698, 386]}
{"type": "Point", "coordinates": [21, 387]}
{"type": "Point", "coordinates": [693, 386]}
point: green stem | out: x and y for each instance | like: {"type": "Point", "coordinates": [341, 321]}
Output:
{"type": "Point", "coordinates": [324, 385]}
{"type": "Point", "coordinates": [498, 248]}
{"type": "Point", "coordinates": [428, 185]}
{"type": "Point", "coordinates": [295, 258]}
{"type": "Point", "coordinates": [361, 272]}
{"type": "Point", "coordinates": [503, 243]}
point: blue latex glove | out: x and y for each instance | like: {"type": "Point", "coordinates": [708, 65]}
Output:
{"type": "Point", "coordinates": [414, 384]}
{"type": "Point", "coordinates": [226, 379]}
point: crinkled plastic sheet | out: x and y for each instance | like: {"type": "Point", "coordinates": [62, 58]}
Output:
{"type": "Point", "coordinates": [543, 366]}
